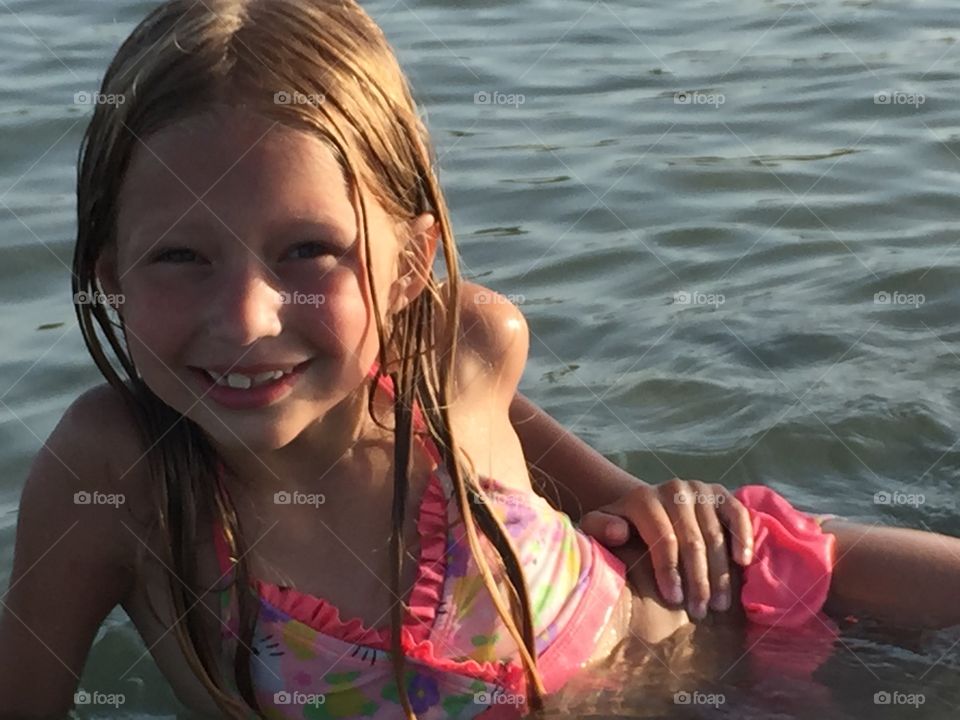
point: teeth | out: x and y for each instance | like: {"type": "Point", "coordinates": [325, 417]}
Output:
{"type": "Point", "coordinates": [267, 376]}
{"type": "Point", "coordinates": [245, 382]}
{"type": "Point", "coordinates": [235, 380]}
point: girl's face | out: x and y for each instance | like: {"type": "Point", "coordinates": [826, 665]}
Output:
{"type": "Point", "coordinates": [237, 248]}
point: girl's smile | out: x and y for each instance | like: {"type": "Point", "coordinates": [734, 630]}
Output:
{"type": "Point", "coordinates": [247, 387]}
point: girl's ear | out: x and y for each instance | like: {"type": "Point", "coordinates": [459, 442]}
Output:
{"type": "Point", "coordinates": [416, 261]}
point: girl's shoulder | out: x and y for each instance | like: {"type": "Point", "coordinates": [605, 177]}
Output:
{"type": "Point", "coordinates": [103, 458]}
{"type": "Point", "coordinates": [492, 347]}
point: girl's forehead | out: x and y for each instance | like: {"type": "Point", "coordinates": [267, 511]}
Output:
{"type": "Point", "coordinates": [233, 145]}
{"type": "Point", "coordinates": [235, 160]}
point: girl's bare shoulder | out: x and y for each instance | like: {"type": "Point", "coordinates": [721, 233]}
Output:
{"type": "Point", "coordinates": [492, 347]}
{"type": "Point", "coordinates": [82, 498]}
{"type": "Point", "coordinates": [491, 353]}
{"type": "Point", "coordinates": [97, 445]}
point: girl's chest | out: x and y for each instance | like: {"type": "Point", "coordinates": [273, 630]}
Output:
{"type": "Point", "coordinates": [358, 590]}
{"type": "Point", "coordinates": [339, 553]}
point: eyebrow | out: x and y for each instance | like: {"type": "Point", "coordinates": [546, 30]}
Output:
{"type": "Point", "coordinates": [324, 225]}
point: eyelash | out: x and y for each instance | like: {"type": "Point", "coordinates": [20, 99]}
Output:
{"type": "Point", "coordinates": [324, 250]}
{"type": "Point", "coordinates": [163, 255]}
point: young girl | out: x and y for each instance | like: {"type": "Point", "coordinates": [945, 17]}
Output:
{"type": "Point", "coordinates": [314, 435]}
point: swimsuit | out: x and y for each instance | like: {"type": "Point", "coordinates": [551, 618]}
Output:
{"type": "Point", "coordinates": [460, 660]}
{"type": "Point", "coordinates": [309, 664]}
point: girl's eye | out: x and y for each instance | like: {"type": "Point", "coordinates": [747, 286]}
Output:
{"type": "Point", "coordinates": [174, 255]}
{"type": "Point", "coordinates": [310, 250]}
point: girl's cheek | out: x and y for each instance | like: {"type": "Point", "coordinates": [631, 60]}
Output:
{"type": "Point", "coordinates": [342, 310]}
{"type": "Point", "coordinates": [170, 286]}
{"type": "Point", "coordinates": [343, 326]}
{"type": "Point", "coordinates": [156, 313]}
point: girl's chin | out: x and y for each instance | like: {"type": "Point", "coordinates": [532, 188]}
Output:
{"type": "Point", "coordinates": [259, 443]}
{"type": "Point", "coordinates": [251, 434]}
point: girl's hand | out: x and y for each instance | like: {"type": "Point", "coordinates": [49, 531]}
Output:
{"type": "Point", "coordinates": [680, 520]}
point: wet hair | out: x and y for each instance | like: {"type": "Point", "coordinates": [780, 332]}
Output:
{"type": "Point", "coordinates": [187, 59]}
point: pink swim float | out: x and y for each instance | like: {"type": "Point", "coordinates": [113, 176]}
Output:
{"type": "Point", "coordinates": [789, 579]}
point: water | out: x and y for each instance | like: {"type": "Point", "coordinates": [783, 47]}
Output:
{"type": "Point", "coordinates": [780, 199]}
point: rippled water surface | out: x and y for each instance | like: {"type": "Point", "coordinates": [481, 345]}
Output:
{"type": "Point", "coordinates": [732, 227]}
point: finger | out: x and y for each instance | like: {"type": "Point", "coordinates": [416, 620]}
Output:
{"type": "Point", "coordinates": [693, 552]}
{"type": "Point", "coordinates": [718, 567]}
{"type": "Point", "coordinates": [737, 520]}
{"type": "Point", "coordinates": [609, 529]}
{"type": "Point", "coordinates": [655, 527]}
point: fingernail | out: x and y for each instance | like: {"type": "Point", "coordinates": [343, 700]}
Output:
{"type": "Point", "coordinates": [747, 556]}
{"type": "Point", "coordinates": [720, 601]}
{"type": "Point", "coordinates": [698, 609]}
{"type": "Point", "coordinates": [614, 532]}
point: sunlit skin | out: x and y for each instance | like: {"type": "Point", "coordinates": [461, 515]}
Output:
{"type": "Point", "coordinates": [202, 283]}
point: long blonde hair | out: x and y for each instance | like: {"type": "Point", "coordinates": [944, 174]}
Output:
{"type": "Point", "coordinates": [182, 60]}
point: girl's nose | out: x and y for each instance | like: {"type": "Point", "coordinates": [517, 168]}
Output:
{"type": "Point", "coordinates": [247, 306]}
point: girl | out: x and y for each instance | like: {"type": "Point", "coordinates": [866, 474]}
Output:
{"type": "Point", "coordinates": [259, 220]}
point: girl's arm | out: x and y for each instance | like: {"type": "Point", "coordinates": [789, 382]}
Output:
{"type": "Point", "coordinates": [585, 480]}
{"type": "Point", "coordinates": [902, 577]}
{"type": "Point", "coordinates": [679, 520]}
{"type": "Point", "coordinates": [671, 518]}
{"type": "Point", "coordinates": [66, 575]}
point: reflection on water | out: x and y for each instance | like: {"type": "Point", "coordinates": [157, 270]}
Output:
{"type": "Point", "coordinates": [724, 671]}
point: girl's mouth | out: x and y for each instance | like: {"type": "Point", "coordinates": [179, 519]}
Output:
{"type": "Point", "coordinates": [238, 391]}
